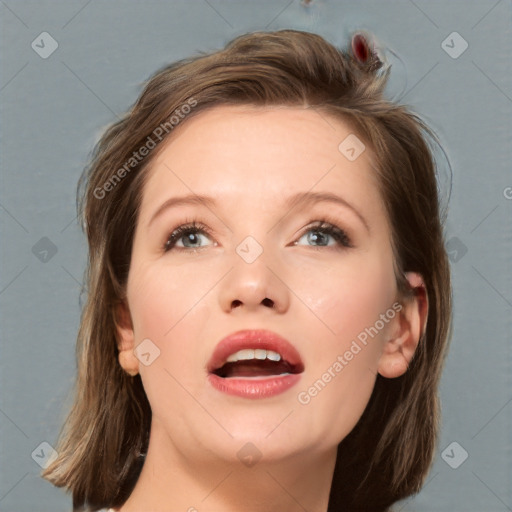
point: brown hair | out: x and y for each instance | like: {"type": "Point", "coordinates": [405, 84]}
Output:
{"type": "Point", "coordinates": [387, 455]}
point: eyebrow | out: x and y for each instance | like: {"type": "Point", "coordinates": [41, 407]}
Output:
{"type": "Point", "coordinates": [300, 199]}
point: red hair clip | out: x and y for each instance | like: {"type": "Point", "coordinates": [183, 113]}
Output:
{"type": "Point", "coordinates": [365, 52]}
{"type": "Point", "coordinates": [360, 47]}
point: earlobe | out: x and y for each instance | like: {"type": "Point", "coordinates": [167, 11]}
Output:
{"type": "Point", "coordinates": [125, 339]}
{"type": "Point", "coordinates": [129, 362]}
{"type": "Point", "coordinates": [410, 326]}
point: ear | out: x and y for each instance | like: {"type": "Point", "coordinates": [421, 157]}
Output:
{"type": "Point", "coordinates": [409, 326]}
{"type": "Point", "coordinates": [125, 339]}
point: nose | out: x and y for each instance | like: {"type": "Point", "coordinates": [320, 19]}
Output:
{"type": "Point", "coordinates": [251, 287]}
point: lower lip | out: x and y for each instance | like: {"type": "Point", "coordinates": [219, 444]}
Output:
{"type": "Point", "coordinates": [254, 388]}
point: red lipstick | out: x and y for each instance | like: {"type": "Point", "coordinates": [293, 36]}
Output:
{"type": "Point", "coordinates": [255, 386]}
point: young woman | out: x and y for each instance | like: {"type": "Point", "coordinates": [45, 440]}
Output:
{"type": "Point", "coordinates": [269, 298]}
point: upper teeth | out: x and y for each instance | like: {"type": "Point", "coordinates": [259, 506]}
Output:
{"type": "Point", "coordinates": [250, 353]}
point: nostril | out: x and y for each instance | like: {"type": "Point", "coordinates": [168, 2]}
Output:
{"type": "Point", "coordinates": [268, 302]}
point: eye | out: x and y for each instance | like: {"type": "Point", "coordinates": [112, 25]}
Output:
{"type": "Point", "coordinates": [319, 233]}
{"type": "Point", "coordinates": [189, 233]}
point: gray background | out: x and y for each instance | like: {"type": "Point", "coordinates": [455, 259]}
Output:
{"type": "Point", "coordinates": [54, 109]}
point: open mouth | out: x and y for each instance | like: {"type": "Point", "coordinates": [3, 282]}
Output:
{"type": "Point", "coordinates": [256, 363]}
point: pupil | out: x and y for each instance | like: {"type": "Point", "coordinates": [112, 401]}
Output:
{"type": "Point", "coordinates": [314, 236]}
{"type": "Point", "coordinates": [190, 237]}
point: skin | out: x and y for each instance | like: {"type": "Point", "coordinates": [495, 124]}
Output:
{"type": "Point", "coordinates": [185, 302]}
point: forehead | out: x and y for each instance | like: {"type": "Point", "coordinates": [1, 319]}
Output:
{"type": "Point", "coordinates": [244, 153]}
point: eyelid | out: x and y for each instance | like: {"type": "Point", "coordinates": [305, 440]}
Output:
{"type": "Point", "coordinates": [326, 223]}
{"type": "Point", "coordinates": [192, 225]}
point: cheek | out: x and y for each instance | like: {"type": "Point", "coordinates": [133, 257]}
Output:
{"type": "Point", "coordinates": [170, 308]}
{"type": "Point", "coordinates": [347, 301]}
{"type": "Point", "coordinates": [163, 296]}
{"type": "Point", "coordinates": [159, 300]}
{"type": "Point", "coordinates": [348, 296]}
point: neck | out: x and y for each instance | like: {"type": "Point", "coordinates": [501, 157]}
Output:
{"type": "Point", "coordinates": [300, 482]}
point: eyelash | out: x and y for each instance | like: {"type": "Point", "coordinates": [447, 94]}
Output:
{"type": "Point", "coordinates": [322, 225]}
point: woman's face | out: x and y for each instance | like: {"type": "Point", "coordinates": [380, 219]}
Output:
{"type": "Point", "coordinates": [289, 277]}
